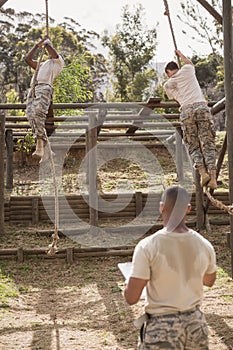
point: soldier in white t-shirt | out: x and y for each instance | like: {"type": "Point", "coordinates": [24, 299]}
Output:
{"type": "Point", "coordinates": [196, 120]}
{"type": "Point", "coordinates": [40, 94]}
{"type": "Point", "coordinates": [173, 264]}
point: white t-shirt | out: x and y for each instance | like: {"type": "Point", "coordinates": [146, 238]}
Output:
{"type": "Point", "coordinates": [174, 264]}
{"type": "Point", "coordinates": [49, 70]}
{"type": "Point", "coordinates": [183, 86]}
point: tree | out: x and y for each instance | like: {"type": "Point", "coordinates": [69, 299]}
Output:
{"type": "Point", "coordinates": [205, 28]}
{"type": "Point", "coordinates": [73, 84]}
{"type": "Point", "coordinates": [207, 74]}
{"type": "Point", "coordinates": [131, 51]}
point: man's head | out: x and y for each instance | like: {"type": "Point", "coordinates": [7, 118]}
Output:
{"type": "Point", "coordinates": [174, 205]}
{"type": "Point", "coordinates": [171, 68]}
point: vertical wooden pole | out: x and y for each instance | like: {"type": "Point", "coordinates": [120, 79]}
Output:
{"type": "Point", "coordinates": [199, 202]}
{"type": "Point", "coordinates": [179, 155]}
{"type": "Point", "coordinates": [138, 203]}
{"type": "Point", "coordinates": [9, 159]}
{"type": "Point", "coordinates": [92, 176]}
{"type": "Point", "coordinates": [2, 153]}
{"type": "Point", "coordinates": [228, 81]}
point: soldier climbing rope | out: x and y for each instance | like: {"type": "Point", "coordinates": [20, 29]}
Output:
{"type": "Point", "coordinates": [215, 202]}
{"type": "Point", "coordinates": [55, 237]}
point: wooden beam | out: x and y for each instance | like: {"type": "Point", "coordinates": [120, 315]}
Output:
{"type": "Point", "coordinates": [228, 81]}
{"type": "Point", "coordinates": [211, 10]}
{"type": "Point", "coordinates": [2, 2]}
{"type": "Point", "coordinates": [2, 153]}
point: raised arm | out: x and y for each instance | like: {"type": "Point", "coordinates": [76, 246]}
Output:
{"type": "Point", "coordinates": [183, 57]}
{"type": "Point", "coordinates": [49, 47]}
{"type": "Point", "coordinates": [29, 57]}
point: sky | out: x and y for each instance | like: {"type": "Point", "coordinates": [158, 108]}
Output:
{"type": "Point", "coordinates": [99, 15]}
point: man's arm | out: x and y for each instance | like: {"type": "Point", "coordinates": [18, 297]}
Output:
{"type": "Point", "coordinates": [209, 279]}
{"type": "Point", "coordinates": [133, 290]}
{"type": "Point", "coordinates": [29, 57]}
{"type": "Point", "coordinates": [183, 57]}
{"type": "Point", "coordinates": [49, 47]}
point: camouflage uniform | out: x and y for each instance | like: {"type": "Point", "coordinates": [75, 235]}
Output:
{"type": "Point", "coordinates": [179, 331]}
{"type": "Point", "coordinates": [37, 109]}
{"type": "Point", "coordinates": [199, 134]}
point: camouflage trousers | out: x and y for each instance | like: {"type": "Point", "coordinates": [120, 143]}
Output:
{"type": "Point", "coordinates": [37, 108]}
{"type": "Point", "coordinates": [181, 331]}
{"type": "Point", "coordinates": [199, 134]}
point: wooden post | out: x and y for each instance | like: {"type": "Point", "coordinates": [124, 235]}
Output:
{"type": "Point", "coordinates": [138, 203]}
{"type": "Point", "coordinates": [9, 159]}
{"type": "Point", "coordinates": [92, 159]}
{"type": "Point", "coordinates": [70, 255]}
{"type": "Point", "coordinates": [228, 81]}
{"type": "Point", "coordinates": [179, 155]}
{"type": "Point", "coordinates": [87, 155]}
{"type": "Point", "coordinates": [2, 148]}
{"type": "Point", "coordinates": [35, 211]}
{"type": "Point", "coordinates": [20, 255]}
{"type": "Point", "coordinates": [199, 202]}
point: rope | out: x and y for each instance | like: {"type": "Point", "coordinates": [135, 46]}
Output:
{"type": "Point", "coordinates": [55, 237]}
{"type": "Point", "coordinates": [47, 17]}
{"type": "Point", "coordinates": [218, 204]}
{"type": "Point", "coordinates": [167, 13]}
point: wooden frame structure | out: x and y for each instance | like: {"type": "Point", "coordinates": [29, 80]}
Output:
{"type": "Point", "coordinates": [226, 21]}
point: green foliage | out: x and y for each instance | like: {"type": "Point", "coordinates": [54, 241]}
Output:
{"type": "Point", "coordinates": [7, 288]}
{"type": "Point", "coordinates": [131, 50]}
{"type": "Point", "coordinates": [73, 84]}
{"type": "Point", "coordinates": [204, 27]}
{"type": "Point", "coordinates": [13, 97]}
{"type": "Point", "coordinates": [25, 144]}
{"type": "Point", "coordinates": [207, 73]}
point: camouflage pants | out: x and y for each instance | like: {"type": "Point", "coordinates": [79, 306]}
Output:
{"type": "Point", "coordinates": [199, 134]}
{"type": "Point", "coordinates": [181, 331]}
{"type": "Point", "coordinates": [37, 109]}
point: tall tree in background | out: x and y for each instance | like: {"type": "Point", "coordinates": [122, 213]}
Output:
{"type": "Point", "coordinates": [131, 51]}
{"type": "Point", "coordinates": [205, 28]}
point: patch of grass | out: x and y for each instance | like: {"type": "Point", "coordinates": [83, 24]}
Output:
{"type": "Point", "coordinates": [7, 289]}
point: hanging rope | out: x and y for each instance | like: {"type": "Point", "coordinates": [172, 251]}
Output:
{"type": "Point", "coordinates": [55, 237]}
{"type": "Point", "coordinates": [167, 13]}
{"type": "Point", "coordinates": [227, 208]}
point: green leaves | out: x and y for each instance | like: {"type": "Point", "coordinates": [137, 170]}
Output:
{"type": "Point", "coordinates": [131, 50]}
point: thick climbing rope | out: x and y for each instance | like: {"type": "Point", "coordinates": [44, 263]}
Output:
{"type": "Point", "coordinates": [218, 204]}
{"type": "Point", "coordinates": [55, 237]}
{"type": "Point", "coordinates": [167, 13]}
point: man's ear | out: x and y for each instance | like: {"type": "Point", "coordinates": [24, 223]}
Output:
{"type": "Point", "coordinates": [189, 209]}
{"type": "Point", "coordinates": [161, 207]}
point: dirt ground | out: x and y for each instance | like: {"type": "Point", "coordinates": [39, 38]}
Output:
{"type": "Point", "coordinates": [81, 306]}
{"type": "Point", "coordinates": [56, 306]}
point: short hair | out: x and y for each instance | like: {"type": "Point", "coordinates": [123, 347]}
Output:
{"type": "Point", "coordinates": [171, 66]}
{"type": "Point", "coordinates": [176, 201]}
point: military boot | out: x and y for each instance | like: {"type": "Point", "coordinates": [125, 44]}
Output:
{"type": "Point", "coordinates": [205, 177]}
{"type": "Point", "coordinates": [213, 182]}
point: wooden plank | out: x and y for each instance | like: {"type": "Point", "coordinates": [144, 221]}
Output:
{"type": "Point", "coordinates": [2, 153]}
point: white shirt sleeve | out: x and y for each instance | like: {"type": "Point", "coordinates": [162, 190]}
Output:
{"type": "Point", "coordinates": [140, 264]}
